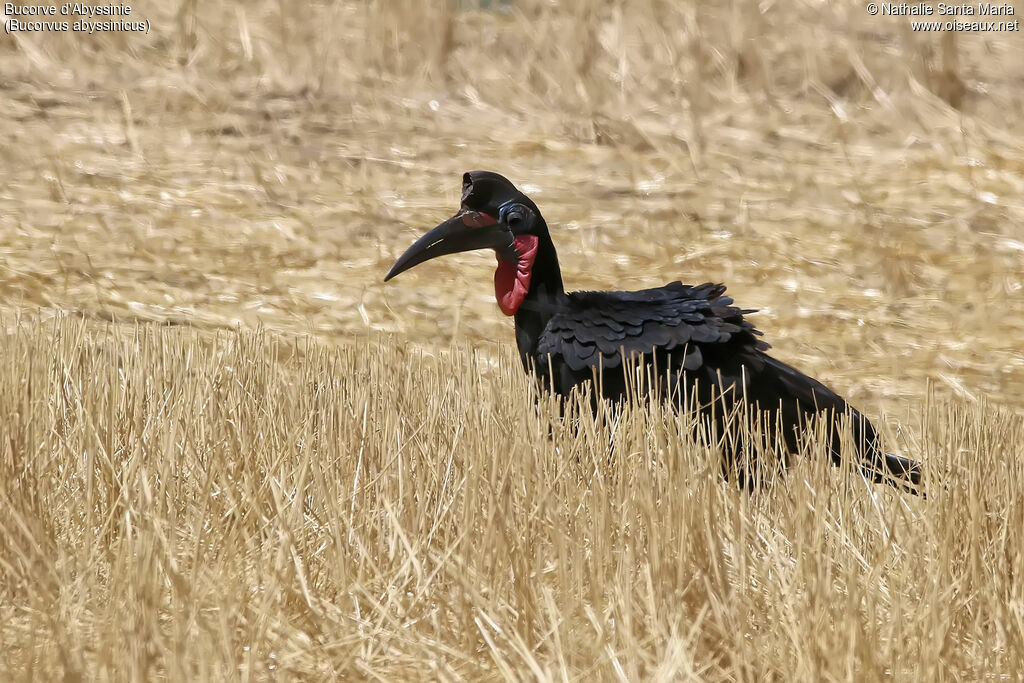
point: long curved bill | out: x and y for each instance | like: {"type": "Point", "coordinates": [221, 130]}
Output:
{"type": "Point", "coordinates": [465, 231]}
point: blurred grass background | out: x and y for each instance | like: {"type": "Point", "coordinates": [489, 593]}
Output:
{"type": "Point", "coordinates": [264, 162]}
{"type": "Point", "coordinates": [186, 504]}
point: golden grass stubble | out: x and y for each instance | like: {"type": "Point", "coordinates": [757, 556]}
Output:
{"type": "Point", "coordinates": [184, 504]}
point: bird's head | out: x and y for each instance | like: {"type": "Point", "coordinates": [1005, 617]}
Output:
{"type": "Point", "coordinates": [494, 215]}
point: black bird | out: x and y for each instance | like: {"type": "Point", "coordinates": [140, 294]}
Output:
{"type": "Point", "coordinates": [696, 346]}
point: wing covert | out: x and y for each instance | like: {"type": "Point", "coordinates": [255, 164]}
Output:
{"type": "Point", "coordinates": [598, 328]}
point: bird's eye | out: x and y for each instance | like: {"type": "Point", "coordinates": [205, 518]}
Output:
{"type": "Point", "coordinates": [514, 216]}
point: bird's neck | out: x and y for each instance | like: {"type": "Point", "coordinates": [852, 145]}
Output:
{"type": "Point", "coordinates": [541, 301]}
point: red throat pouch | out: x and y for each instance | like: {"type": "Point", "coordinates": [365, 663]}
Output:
{"type": "Point", "coordinates": [512, 280]}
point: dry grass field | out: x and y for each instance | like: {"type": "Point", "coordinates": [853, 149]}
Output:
{"type": "Point", "coordinates": [228, 451]}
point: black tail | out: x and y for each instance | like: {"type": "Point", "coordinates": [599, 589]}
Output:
{"type": "Point", "coordinates": [899, 472]}
{"type": "Point", "coordinates": [814, 398]}
{"type": "Point", "coordinates": [903, 468]}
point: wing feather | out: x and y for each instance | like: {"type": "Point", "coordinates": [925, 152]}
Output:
{"type": "Point", "coordinates": [595, 328]}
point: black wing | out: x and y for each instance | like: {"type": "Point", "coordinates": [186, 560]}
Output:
{"type": "Point", "coordinates": [699, 330]}
{"type": "Point", "coordinates": [595, 329]}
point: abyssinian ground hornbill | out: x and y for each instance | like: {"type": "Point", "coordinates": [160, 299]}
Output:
{"type": "Point", "coordinates": [696, 346]}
